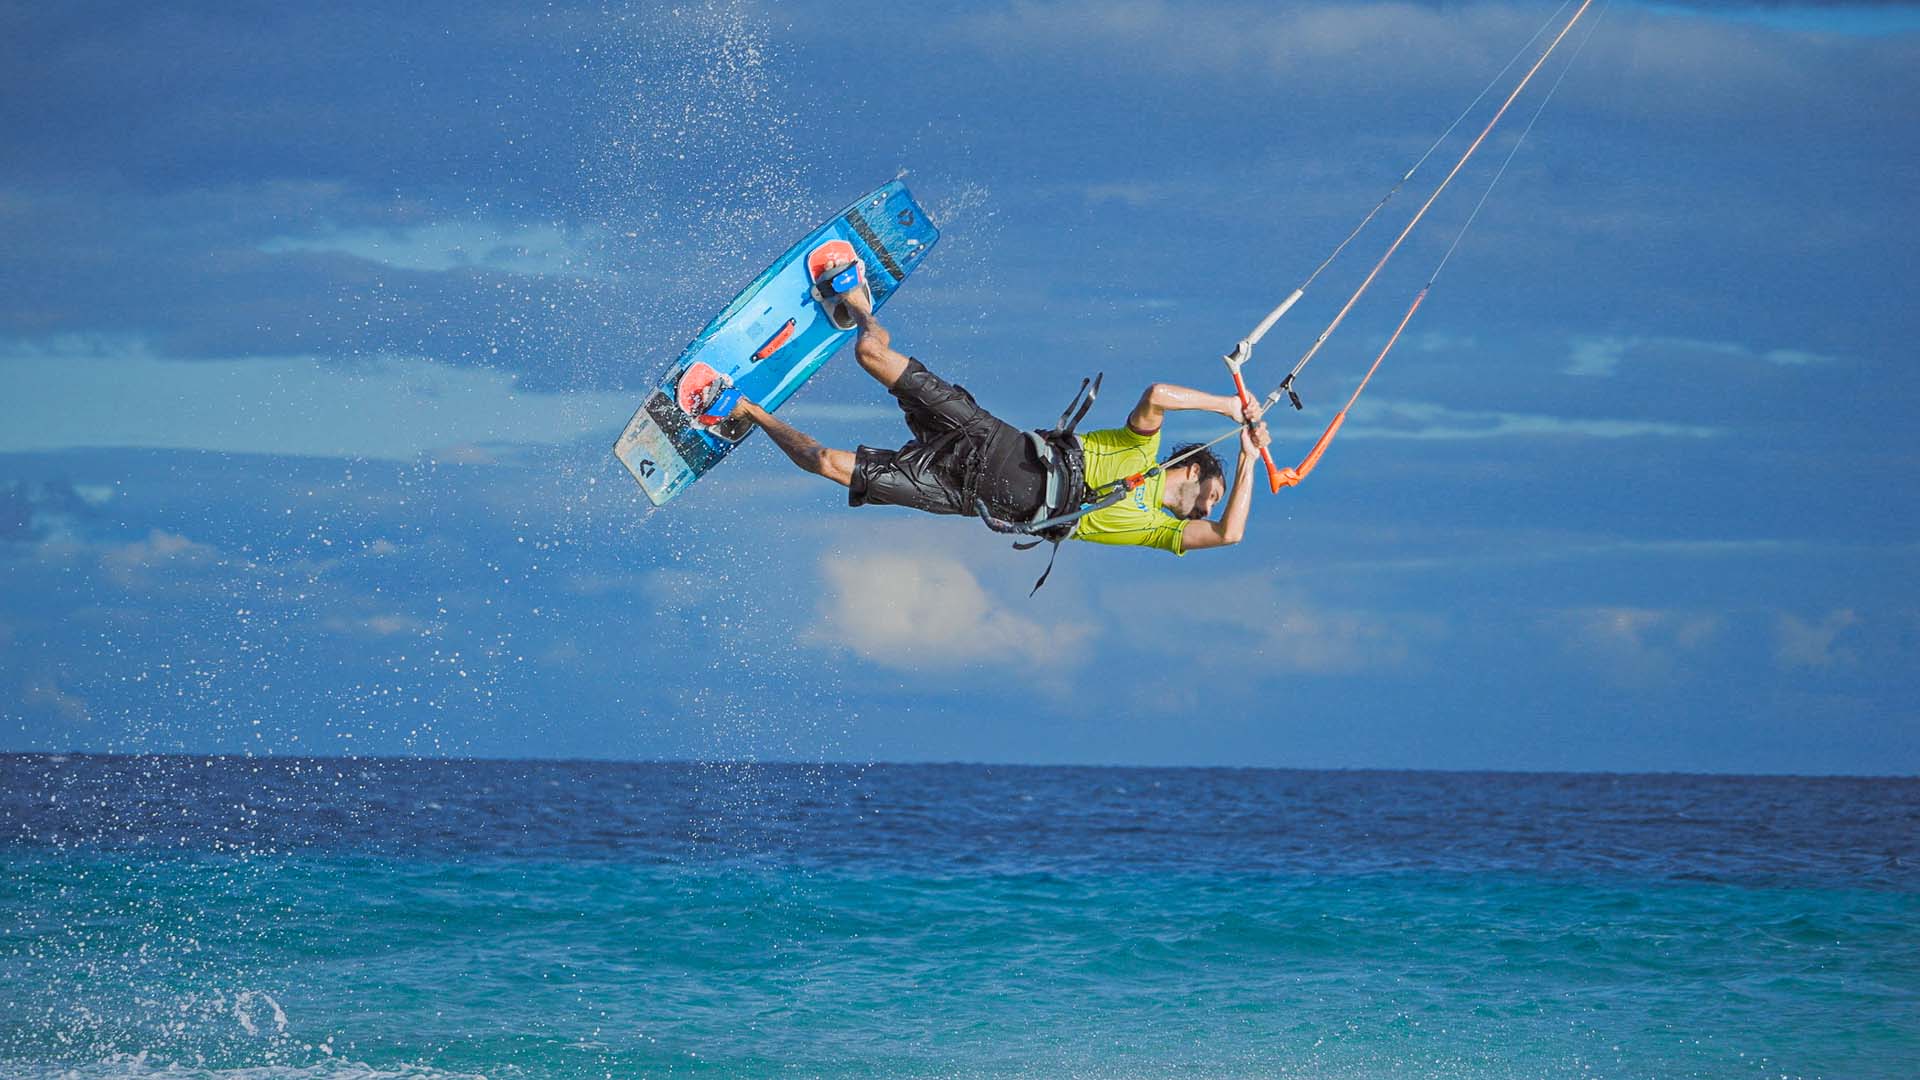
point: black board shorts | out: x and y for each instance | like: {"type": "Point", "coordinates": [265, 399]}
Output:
{"type": "Point", "coordinates": [959, 452]}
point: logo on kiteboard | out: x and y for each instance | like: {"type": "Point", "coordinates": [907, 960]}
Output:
{"type": "Point", "coordinates": [905, 217]}
{"type": "Point", "coordinates": [647, 467]}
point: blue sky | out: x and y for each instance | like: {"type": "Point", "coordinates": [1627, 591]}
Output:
{"type": "Point", "coordinates": [316, 330]}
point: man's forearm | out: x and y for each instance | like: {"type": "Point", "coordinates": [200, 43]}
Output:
{"type": "Point", "coordinates": [1160, 397]}
{"type": "Point", "coordinates": [1182, 398]}
{"type": "Point", "coordinates": [1233, 523]}
{"type": "Point", "coordinates": [800, 447]}
{"type": "Point", "coordinates": [869, 327]}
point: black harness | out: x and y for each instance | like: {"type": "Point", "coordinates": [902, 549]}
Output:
{"type": "Point", "coordinates": [1068, 497]}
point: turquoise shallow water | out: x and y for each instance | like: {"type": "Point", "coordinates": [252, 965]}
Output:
{"type": "Point", "coordinates": [244, 919]}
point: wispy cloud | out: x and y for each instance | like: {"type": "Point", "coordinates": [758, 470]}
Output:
{"type": "Point", "coordinates": [1799, 643]}
{"type": "Point", "coordinates": [79, 392]}
{"type": "Point", "coordinates": [161, 554]}
{"type": "Point", "coordinates": [380, 625]}
{"type": "Point", "coordinates": [1602, 357]}
{"type": "Point", "coordinates": [511, 247]}
{"type": "Point", "coordinates": [1235, 620]}
{"type": "Point", "coordinates": [1187, 39]}
{"type": "Point", "coordinates": [1136, 194]}
{"type": "Point", "coordinates": [35, 511]}
{"type": "Point", "coordinates": [43, 692]}
{"type": "Point", "coordinates": [1864, 18]}
{"type": "Point", "coordinates": [838, 413]}
{"type": "Point", "coordinates": [1633, 647]}
{"type": "Point", "coordinates": [1481, 550]}
{"type": "Point", "coordinates": [1387, 418]}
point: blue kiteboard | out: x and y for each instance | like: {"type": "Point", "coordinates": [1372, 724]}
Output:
{"type": "Point", "coordinates": [772, 338]}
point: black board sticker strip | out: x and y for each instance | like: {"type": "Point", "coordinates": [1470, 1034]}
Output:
{"type": "Point", "coordinates": [866, 232]}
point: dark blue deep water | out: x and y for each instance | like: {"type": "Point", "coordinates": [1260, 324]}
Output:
{"type": "Point", "coordinates": [190, 917]}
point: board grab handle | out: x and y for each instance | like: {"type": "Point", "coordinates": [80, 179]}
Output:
{"type": "Point", "coordinates": [780, 337]}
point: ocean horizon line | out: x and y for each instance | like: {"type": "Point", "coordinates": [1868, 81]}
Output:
{"type": "Point", "coordinates": [858, 764]}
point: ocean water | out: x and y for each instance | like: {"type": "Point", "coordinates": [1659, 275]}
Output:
{"type": "Point", "coordinates": [261, 918]}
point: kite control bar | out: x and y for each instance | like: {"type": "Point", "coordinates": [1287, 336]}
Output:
{"type": "Point", "coordinates": [1234, 359]}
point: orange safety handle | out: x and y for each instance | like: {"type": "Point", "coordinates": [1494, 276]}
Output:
{"type": "Point", "coordinates": [1274, 474]}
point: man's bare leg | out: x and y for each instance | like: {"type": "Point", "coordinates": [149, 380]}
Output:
{"type": "Point", "coordinates": [835, 465]}
{"type": "Point", "coordinates": [874, 347]}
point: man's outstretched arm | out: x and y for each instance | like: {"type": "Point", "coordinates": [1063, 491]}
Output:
{"type": "Point", "coordinates": [835, 465]}
{"type": "Point", "coordinates": [1161, 397]}
{"type": "Point", "coordinates": [1232, 526]}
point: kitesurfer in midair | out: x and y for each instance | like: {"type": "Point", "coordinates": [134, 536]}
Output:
{"type": "Point", "coordinates": [964, 460]}
{"type": "Point", "coordinates": [1108, 486]}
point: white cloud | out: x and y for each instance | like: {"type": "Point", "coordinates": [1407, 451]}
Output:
{"type": "Point", "coordinates": [835, 413]}
{"type": "Point", "coordinates": [1387, 418]}
{"type": "Point", "coordinates": [1241, 620]}
{"type": "Point", "coordinates": [928, 612]}
{"type": "Point", "coordinates": [1481, 550]}
{"type": "Point", "coordinates": [1223, 40]}
{"type": "Point", "coordinates": [1633, 647]}
{"type": "Point", "coordinates": [1798, 643]}
{"type": "Point", "coordinates": [380, 625]}
{"type": "Point", "coordinates": [1640, 61]}
{"type": "Point", "coordinates": [86, 392]}
{"type": "Point", "coordinates": [1392, 418]}
{"type": "Point", "coordinates": [45, 692]}
{"type": "Point", "coordinates": [1864, 18]}
{"type": "Point", "coordinates": [452, 245]}
{"type": "Point", "coordinates": [1135, 194]}
{"type": "Point", "coordinates": [669, 591]}
{"type": "Point", "coordinates": [134, 565]}
{"type": "Point", "coordinates": [1601, 357]}
{"type": "Point", "coordinates": [1595, 357]}
{"type": "Point", "coordinates": [1442, 341]}
{"type": "Point", "coordinates": [463, 454]}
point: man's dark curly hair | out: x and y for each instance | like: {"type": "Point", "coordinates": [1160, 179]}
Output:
{"type": "Point", "coordinates": [1207, 460]}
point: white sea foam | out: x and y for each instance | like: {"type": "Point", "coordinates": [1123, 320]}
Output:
{"type": "Point", "coordinates": [243, 1011]}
